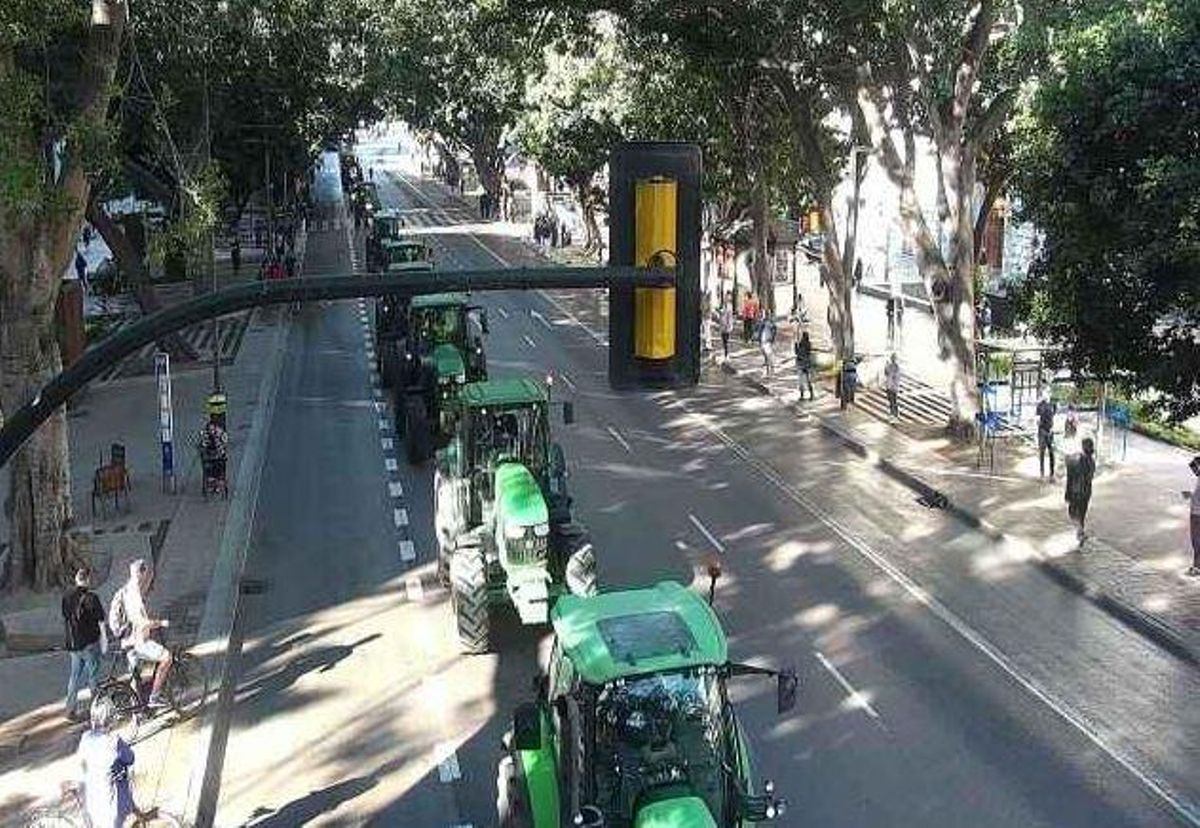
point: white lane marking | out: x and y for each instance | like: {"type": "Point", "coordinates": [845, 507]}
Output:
{"type": "Point", "coordinates": [370, 353]}
{"type": "Point", "coordinates": [503, 261]}
{"type": "Point", "coordinates": [400, 517]}
{"type": "Point", "coordinates": [395, 489]}
{"type": "Point", "coordinates": [529, 341]}
{"type": "Point", "coordinates": [1181, 806]}
{"type": "Point", "coordinates": [384, 424]}
{"type": "Point", "coordinates": [855, 698]}
{"type": "Point", "coordinates": [380, 407]}
{"type": "Point", "coordinates": [603, 340]}
{"type": "Point", "coordinates": [539, 317]}
{"type": "Point", "coordinates": [413, 590]}
{"type": "Point", "coordinates": [720, 547]}
{"type": "Point", "coordinates": [377, 393]}
{"type": "Point", "coordinates": [387, 444]}
{"type": "Point", "coordinates": [408, 553]}
{"type": "Point", "coordinates": [616, 435]}
{"type": "Point", "coordinates": [448, 770]}
{"type": "Point", "coordinates": [389, 463]}
{"type": "Point", "coordinates": [503, 313]}
{"type": "Point", "coordinates": [567, 379]}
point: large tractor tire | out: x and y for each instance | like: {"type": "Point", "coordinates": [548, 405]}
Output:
{"type": "Point", "coordinates": [468, 590]}
{"type": "Point", "coordinates": [418, 431]}
{"type": "Point", "coordinates": [512, 799]}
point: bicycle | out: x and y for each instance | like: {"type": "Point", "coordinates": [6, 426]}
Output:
{"type": "Point", "coordinates": [70, 813]}
{"type": "Point", "coordinates": [185, 689]}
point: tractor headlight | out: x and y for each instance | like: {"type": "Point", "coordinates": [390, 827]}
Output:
{"type": "Point", "coordinates": [514, 531]}
{"type": "Point", "coordinates": [541, 530]}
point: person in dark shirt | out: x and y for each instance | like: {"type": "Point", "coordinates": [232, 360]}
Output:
{"type": "Point", "coordinates": [1045, 435]}
{"type": "Point", "coordinates": [1081, 468]}
{"type": "Point", "coordinates": [83, 618]}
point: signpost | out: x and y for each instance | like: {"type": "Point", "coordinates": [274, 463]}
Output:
{"type": "Point", "coordinates": [166, 419]}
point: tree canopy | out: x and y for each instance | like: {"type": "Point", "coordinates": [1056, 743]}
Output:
{"type": "Point", "coordinates": [1109, 160]}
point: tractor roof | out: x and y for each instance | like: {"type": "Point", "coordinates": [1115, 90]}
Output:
{"type": "Point", "coordinates": [388, 213]}
{"type": "Point", "coordinates": [638, 631]}
{"type": "Point", "coordinates": [438, 300]}
{"type": "Point", "coordinates": [501, 392]}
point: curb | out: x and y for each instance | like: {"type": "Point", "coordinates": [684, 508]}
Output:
{"type": "Point", "coordinates": [1143, 623]}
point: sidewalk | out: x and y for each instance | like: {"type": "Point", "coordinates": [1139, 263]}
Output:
{"type": "Point", "coordinates": [182, 532]}
{"type": "Point", "coordinates": [1131, 565]}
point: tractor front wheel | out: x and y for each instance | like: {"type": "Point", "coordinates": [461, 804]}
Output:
{"type": "Point", "coordinates": [468, 590]}
{"type": "Point", "coordinates": [417, 437]}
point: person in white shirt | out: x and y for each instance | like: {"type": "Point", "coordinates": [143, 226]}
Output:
{"type": "Point", "coordinates": [139, 636]}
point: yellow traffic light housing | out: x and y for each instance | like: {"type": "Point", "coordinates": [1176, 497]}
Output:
{"type": "Point", "coordinates": [655, 243]}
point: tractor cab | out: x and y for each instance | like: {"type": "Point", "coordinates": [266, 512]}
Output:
{"type": "Point", "coordinates": [633, 721]}
{"type": "Point", "coordinates": [442, 351]}
{"type": "Point", "coordinates": [388, 224]}
{"type": "Point", "coordinates": [395, 255]}
{"type": "Point", "coordinates": [501, 510]}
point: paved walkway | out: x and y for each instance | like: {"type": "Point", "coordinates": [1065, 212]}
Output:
{"type": "Point", "coordinates": [181, 531]}
{"type": "Point", "coordinates": [1134, 561]}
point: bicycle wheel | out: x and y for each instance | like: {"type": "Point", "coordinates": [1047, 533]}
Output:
{"type": "Point", "coordinates": [127, 708]}
{"type": "Point", "coordinates": [187, 685]}
{"type": "Point", "coordinates": [53, 818]}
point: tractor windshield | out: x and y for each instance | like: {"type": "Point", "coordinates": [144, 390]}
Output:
{"type": "Point", "coordinates": [441, 325]}
{"type": "Point", "coordinates": [659, 730]}
{"type": "Point", "coordinates": [515, 433]}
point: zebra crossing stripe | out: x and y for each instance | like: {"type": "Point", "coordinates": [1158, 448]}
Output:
{"type": "Point", "coordinates": [408, 553]}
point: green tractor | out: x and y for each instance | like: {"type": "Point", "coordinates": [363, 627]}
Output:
{"type": "Point", "coordinates": [502, 513]}
{"type": "Point", "coordinates": [440, 352]}
{"type": "Point", "coordinates": [386, 226]}
{"type": "Point", "coordinates": [633, 726]}
{"type": "Point", "coordinates": [391, 311]}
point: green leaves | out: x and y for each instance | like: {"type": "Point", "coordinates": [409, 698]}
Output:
{"type": "Point", "coordinates": [1109, 160]}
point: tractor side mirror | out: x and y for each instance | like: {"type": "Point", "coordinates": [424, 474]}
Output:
{"type": "Point", "coordinates": [787, 684]}
{"type": "Point", "coordinates": [568, 413]}
{"type": "Point", "coordinates": [527, 727]}
{"type": "Point", "coordinates": [712, 567]}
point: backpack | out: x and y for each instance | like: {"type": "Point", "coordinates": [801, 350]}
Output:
{"type": "Point", "coordinates": [118, 618]}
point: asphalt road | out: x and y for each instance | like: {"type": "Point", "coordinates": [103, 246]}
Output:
{"type": "Point", "coordinates": [945, 682]}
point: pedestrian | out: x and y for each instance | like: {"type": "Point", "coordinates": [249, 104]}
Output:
{"type": "Point", "coordinates": [1045, 411]}
{"type": "Point", "coordinates": [1195, 522]}
{"type": "Point", "coordinates": [87, 235]}
{"type": "Point", "coordinates": [104, 762]}
{"type": "Point", "coordinates": [289, 265]}
{"type": "Point", "coordinates": [726, 325]}
{"type": "Point", "coordinates": [1081, 468]}
{"type": "Point", "coordinates": [803, 350]}
{"type": "Point", "coordinates": [83, 622]}
{"type": "Point", "coordinates": [848, 381]}
{"type": "Point", "coordinates": [1070, 422]}
{"type": "Point", "coordinates": [985, 317]}
{"type": "Point", "coordinates": [81, 268]}
{"type": "Point", "coordinates": [891, 384]}
{"type": "Point", "coordinates": [235, 253]}
{"type": "Point", "coordinates": [749, 314]}
{"type": "Point", "coordinates": [891, 320]}
{"type": "Point", "coordinates": [766, 342]}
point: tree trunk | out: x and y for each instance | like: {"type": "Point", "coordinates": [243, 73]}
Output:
{"type": "Point", "coordinates": [760, 218]}
{"type": "Point", "coordinates": [36, 247]}
{"type": "Point", "coordinates": [489, 164]}
{"type": "Point", "coordinates": [840, 316]}
{"type": "Point", "coordinates": [587, 206]}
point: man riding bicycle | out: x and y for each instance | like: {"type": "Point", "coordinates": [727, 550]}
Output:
{"type": "Point", "coordinates": [133, 627]}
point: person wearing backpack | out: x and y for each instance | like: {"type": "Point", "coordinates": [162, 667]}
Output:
{"type": "Point", "coordinates": [132, 625]}
{"type": "Point", "coordinates": [83, 622]}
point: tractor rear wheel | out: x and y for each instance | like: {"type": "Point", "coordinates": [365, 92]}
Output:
{"type": "Point", "coordinates": [512, 801]}
{"type": "Point", "coordinates": [468, 590]}
{"type": "Point", "coordinates": [417, 436]}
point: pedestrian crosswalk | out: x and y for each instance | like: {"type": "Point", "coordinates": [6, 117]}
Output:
{"type": "Point", "coordinates": [230, 330]}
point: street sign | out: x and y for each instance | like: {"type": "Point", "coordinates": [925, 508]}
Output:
{"type": "Point", "coordinates": [166, 419]}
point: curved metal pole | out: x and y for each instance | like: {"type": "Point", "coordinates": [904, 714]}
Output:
{"type": "Point", "coordinates": [23, 422]}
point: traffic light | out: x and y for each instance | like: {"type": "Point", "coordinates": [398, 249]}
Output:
{"type": "Point", "coordinates": [654, 222]}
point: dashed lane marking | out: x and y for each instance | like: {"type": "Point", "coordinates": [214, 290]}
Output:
{"type": "Point", "coordinates": [448, 770]}
{"type": "Point", "coordinates": [616, 435]}
{"type": "Point", "coordinates": [853, 696]}
{"type": "Point", "coordinates": [400, 517]}
{"type": "Point", "coordinates": [384, 424]}
{"type": "Point", "coordinates": [408, 553]}
{"type": "Point", "coordinates": [539, 317]}
{"type": "Point", "coordinates": [528, 341]}
{"type": "Point", "coordinates": [503, 313]}
{"type": "Point", "coordinates": [377, 393]}
{"type": "Point", "coordinates": [720, 547]}
{"type": "Point", "coordinates": [566, 378]}
{"type": "Point", "coordinates": [380, 407]}
{"type": "Point", "coordinates": [395, 487]}
{"type": "Point", "coordinates": [387, 444]}
{"type": "Point", "coordinates": [565, 311]}
{"type": "Point", "coordinates": [390, 464]}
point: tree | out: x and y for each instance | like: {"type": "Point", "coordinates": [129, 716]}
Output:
{"type": "Point", "coordinates": [57, 61]}
{"type": "Point", "coordinates": [1109, 173]}
{"type": "Point", "coordinates": [572, 120]}
{"type": "Point", "coordinates": [948, 72]}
